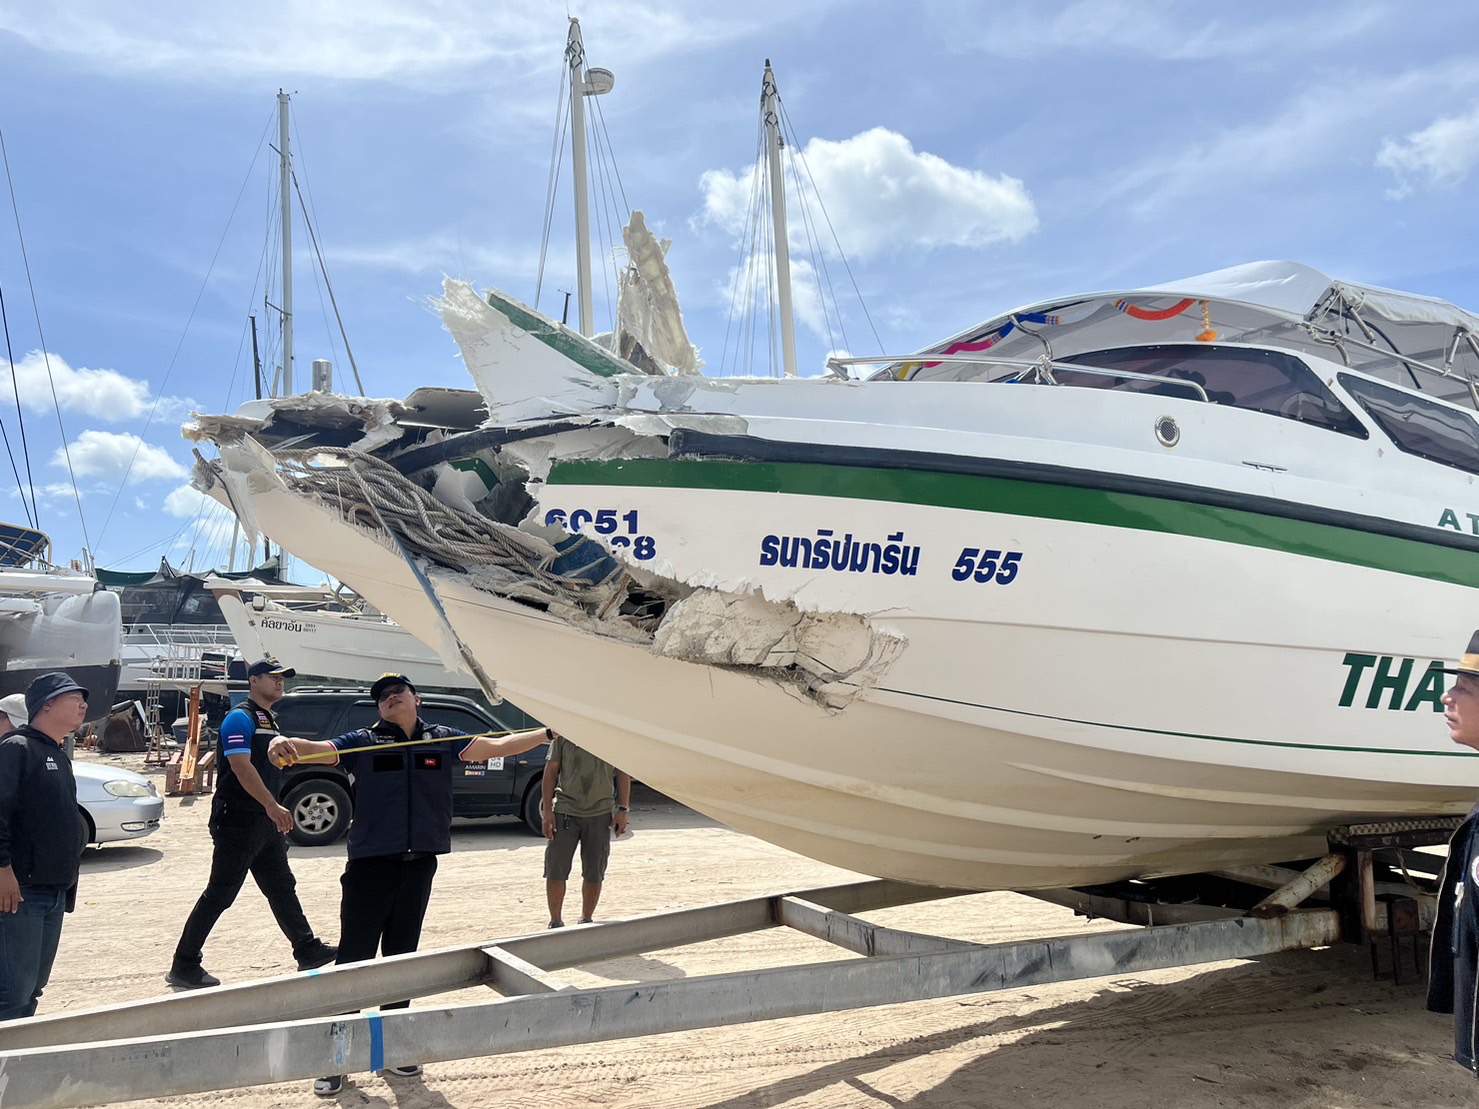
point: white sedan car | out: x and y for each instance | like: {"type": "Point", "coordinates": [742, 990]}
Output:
{"type": "Point", "coordinates": [116, 803]}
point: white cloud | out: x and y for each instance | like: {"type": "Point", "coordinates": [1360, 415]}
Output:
{"type": "Point", "coordinates": [1165, 30]}
{"type": "Point", "coordinates": [185, 501]}
{"type": "Point", "coordinates": [49, 495]}
{"type": "Point", "coordinates": [440, 253]}
{"type": "Point", "coordinates": [101, 394]}
{"type": "Point", "coordinates": [113, 455]}
{"type": "Point", "coordinates": [413, 41]}
{"type": "Point", "coordinates": [883, 197]}
{"type": "Point", "coordinates": [1442, 153]}
{"type": "Point", "coordinates": [1320, 126]}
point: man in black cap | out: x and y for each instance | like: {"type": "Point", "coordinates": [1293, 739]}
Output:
{"type": "Point", "coordinates": [1453, 955]}
{"type": "Point", "coordinates": [248, 828]}
{"type": "Point", "coordinates": [402, 822]}
{"type": "Point", "coordinates": [41, 839]}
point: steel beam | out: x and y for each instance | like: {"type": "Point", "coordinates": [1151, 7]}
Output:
{"type": "Point", "coordinates": [89, 1073]}
{"type": "Point", "coordinates": [337, 990]}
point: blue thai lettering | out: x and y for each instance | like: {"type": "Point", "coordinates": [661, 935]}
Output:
{"type": "Point", "coordinates": [795, 551]}
{"type": "Point", "coordinates": [821, 551]}
{"type": "Point", "coordinates": [846, 554]}
{"type": "Point", "coordinates": [842, 552]}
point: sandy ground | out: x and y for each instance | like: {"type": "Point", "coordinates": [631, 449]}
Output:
{"type": "Point", "coordinates": [1311, 1029]}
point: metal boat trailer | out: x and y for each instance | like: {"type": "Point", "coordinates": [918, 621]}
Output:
{"type": "Point", "coordinates": [294, 1027]}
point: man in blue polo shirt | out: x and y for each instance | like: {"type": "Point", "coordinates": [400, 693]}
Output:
{"type": "Point", "coordinates": [402, 822]}
{"type": "Point", "coordinates": [248, 828]}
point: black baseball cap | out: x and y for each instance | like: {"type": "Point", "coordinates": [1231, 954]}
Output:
{"type": "Point", "coordinates": [269, 666]}
{"type": "Point", "coordinates": [385, 681]}
{"type": "Point", "coordinates": [46, 687]}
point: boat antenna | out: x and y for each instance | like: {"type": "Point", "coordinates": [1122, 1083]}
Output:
{"type": "Point", "coordinates": [256, 357]}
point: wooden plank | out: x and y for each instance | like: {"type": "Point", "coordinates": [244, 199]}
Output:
{"type": "Point", "coordinates": [86, 1074]}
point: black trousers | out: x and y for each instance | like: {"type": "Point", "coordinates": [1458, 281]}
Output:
{"type": "Point", "coordinates": [252, 847]}
{"type": "Point", "coordinates": [383, 907]}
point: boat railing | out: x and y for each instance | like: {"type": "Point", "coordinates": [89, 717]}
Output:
{"type": "Point", "coordinates": [1039, 369]}
{"type": "Point", "coordinates": [180, 635]}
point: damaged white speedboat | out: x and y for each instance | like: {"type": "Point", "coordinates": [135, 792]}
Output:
{"type": "Point", "coordinates": [1144, 582]}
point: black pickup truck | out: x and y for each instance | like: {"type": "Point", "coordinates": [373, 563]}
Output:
{"type": "Point", "coordinates": [321, 798]}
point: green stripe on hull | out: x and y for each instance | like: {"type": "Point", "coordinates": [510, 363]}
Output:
{"type": "Point", "coordinates": [1041, 500]}
{"type": "Point", "coordinates": [561, 339]}
{"type": "Point", "coordinates": [1454, 753]}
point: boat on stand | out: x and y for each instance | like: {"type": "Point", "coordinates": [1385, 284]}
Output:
{"type": "Point", "coordinates": [1132, 583]}
{"type": "Point", "coordinates": [327, 637]}
{"type": "Point", "coordinates": [55, 618]}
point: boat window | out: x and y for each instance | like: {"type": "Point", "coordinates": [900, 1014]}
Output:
{"type": "Point", "coordinates": [1269, 381]}
{"type": "Point", "coordinates": [1418, 425]}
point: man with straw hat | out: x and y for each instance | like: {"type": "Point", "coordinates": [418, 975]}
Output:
{"type": "Point", "coordinates": [402, 769]}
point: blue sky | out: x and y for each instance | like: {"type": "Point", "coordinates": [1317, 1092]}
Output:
{"type": "Point", "coordinates": [972, 157]}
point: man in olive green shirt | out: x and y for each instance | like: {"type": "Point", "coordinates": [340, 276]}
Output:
{"type": "Point", "coordinates": [586, 799]}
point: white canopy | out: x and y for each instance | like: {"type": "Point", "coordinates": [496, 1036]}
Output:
{"type": "Point", "coordinates": [1276, 304]}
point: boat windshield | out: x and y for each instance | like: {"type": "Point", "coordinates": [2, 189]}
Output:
{"type": "Point", "coordinates": [1268, 381]}
{"type": "Point", "coordinates": [1418, 425]}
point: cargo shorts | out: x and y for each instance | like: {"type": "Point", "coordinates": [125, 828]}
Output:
{"type": "Point", "coordinates": [593, 834]}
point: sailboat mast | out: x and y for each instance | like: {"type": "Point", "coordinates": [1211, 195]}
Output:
{"type": "Point", "coordinates": [583, 82]}
{"type": "Point", "coordinates": [286, 189]}
{"type": "Point", "coordinates": [575, 57]}
{"type": "Point", "coordinates": [770, 113]}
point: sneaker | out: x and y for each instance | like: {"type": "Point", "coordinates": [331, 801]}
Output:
{"type": "Point", "coordinates": [404, 1072]}
{"type": "Point", "coordinates": [190, 976]}
{"type": "Point", "coordinates": [556, 924]}
{"type": "Point", "coordinates": [329, 1085]}
{"type": "Point", "coordinates": [315, 957]}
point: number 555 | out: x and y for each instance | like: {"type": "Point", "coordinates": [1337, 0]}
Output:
{"type": "Point", "coordinates": [986, 566]}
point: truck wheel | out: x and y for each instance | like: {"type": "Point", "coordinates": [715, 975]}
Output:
{"type": "Point", "coordinates": [534, 808]}
{"type": "Point", "coordinates": [321, 811]}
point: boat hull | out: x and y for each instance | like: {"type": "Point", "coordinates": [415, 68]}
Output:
{"type": "Point", "coordinates": [335, 647]}
{"type": "Point", "coordinates": [81, 634]}
{"type": "Point", "coordinates": [1198, 725]}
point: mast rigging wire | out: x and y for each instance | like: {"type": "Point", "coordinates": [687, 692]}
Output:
{"type": "Point", "coordinates": [801, 157]}
{"type": "Point", "coordinates": [45, 354]}
{"type": "Point", "coordinates": [199, 296]}
{"type": "Point", "coordinates": [309, 221]}
{"type": "Point", "coordinates": [33, 514]}
{"type": "Point", "coordinates": [557, 154]}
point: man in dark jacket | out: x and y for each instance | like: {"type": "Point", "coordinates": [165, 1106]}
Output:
{"type": "Point", "coordinates": [1453, 956]}
{"type": "Point", "coordinates": [248, 827]}
{"type": "Point", "coordinates": [402, 770]}
{"type": "Point", "coordinates": [41, 840]}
